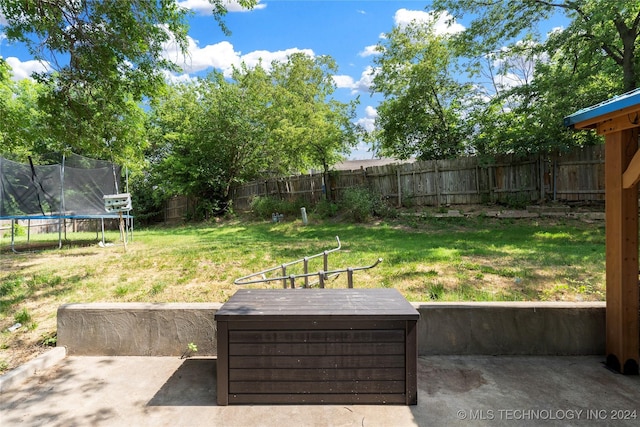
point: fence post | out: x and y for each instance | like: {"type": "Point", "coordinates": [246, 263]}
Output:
{"type": "Point", "coordinates": [555, 177]}
{"type": "Point", "coordinates": [399, 187]}
{"type": "Point", "coordinates": [490, 171]}
{"type": "Point", "coordinates": [437, 179]}
{"type": "Point", "coordinates": [541, 177]}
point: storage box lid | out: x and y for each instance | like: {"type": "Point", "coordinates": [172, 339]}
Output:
{"type": "Point", "coordinates": [247, 304]}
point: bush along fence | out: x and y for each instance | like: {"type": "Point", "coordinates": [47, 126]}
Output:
{"type": "Point", "coordinates": [577, 176]}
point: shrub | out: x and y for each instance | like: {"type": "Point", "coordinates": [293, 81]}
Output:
{"type": "Point", "coordinates": [263, 206]}
{"type": "Point", "coordinates": [358, 204]}
{"type": "Point", "coordinates": [49, 340]}
{"type": "Point", "coordinates": [326, 209]}
{"type": "Point", "coordinates": [385, 210]}
{"type": "Point", "coordinates": [19, 229]}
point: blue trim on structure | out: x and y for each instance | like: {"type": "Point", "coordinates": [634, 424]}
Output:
{"type": "Point", "coordinates": [616, 103]}
{"type": "Point", "coordinates": [65, 216]}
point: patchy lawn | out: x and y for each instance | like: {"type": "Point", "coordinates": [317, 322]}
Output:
{"type": "Point", "coordinates": [425, 258]}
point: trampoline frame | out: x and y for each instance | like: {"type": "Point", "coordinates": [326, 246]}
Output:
{"type": "Point", "coordinates": [128, 220]}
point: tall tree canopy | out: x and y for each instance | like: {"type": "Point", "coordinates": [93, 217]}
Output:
{"type": "Point", "coordinates": [22, 127]}
{"type": "Point", "coordinates": [208, 135]}
{"type": "Point", "coordinates": [597, 28]}
{"type": "Point", "coordinates": [212, 133]}
{"type": "Point", "coordinates": [422, 113]}
{"type": "Point", "coordinates": [522, 82]}
{"type": "Point", "coordinates": [307, 125]}
{"type": "Point", "coordinates": [592, 59]}
{"type": "Point", "coordinates": [105, 55]}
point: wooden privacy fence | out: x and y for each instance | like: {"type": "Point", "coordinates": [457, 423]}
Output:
{"type": "Point", "coordinates": [577, 176]}
{"type": "Point", "coordinates": [179, 208]}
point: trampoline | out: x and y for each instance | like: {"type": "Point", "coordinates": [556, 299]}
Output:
{"type": "Point", "coordinates": [71, 189]}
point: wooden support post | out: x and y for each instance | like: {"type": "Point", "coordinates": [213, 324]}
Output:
{"type": "Point", "coordinates": [622, 341]}
{"type": "Point", "coordinates": [617, 120]}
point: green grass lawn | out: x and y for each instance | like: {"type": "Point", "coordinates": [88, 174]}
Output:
{"type": "Point", "coordinates": [425, 258]}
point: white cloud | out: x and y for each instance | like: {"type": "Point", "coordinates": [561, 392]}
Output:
{"type": "Point", "coordinates": [180, 78]}
{"type": "Point", "coordinates": [369, 51]}
{"type": "Point", "coordinates": [222, 56]}
{"type": "Point", "coordinates": [404, 17]}
{"type": "Point", "coordinates": [369, 120]}
{"type": "Point", "coordinates": [23, 70]}
{"type": "Point", "coordinates": [203, 7]}
{"type": "Point", "coordinates": [344, 81]}
{"type": "Point", "coordinates": [362, 85]}
{"type": "Point", "coordinates": [555, 30]}
{"type": "Point", "coordinates": [371, 112]}
{"type": "Point", "coordinates": [267, 57]}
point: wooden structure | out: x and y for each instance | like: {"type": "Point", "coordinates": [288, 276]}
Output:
{"type": "Point", "coordinates": [574, 177]}
{"type": "Point", "coordinates": [619, 121]}
{"type": "Point", "coordinates": [336, 346]}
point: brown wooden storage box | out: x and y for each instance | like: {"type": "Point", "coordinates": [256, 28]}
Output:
{"type": "Point", "coordinates": [333, 346]}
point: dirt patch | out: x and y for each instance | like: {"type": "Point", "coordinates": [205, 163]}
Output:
{"type": "Point", "coordinates": [23, 347]}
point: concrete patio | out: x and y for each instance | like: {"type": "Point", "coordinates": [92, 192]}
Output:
{"type": "Point", "coordinates": [479, 364]}
{"type": "Point", "coordinates": [452, 390]}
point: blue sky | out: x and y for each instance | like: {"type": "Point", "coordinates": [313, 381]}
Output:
{"type": "Point", "coordinates": [346, 30]}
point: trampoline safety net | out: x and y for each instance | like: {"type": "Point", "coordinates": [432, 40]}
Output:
{"type": "Point", "coordinates": [74, 186]}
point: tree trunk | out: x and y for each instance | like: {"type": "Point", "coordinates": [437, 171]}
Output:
{"type": "Point", "coordinates": [628, 37]}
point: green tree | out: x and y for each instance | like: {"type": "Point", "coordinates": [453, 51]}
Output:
{"type": "Point", "coordinates": [208, 135]}
{"type": "Point", "coordinates": [422, 113]}
{"type": "Point", "coordinates": [95, 125]}
{"type": "Point", "coordinates": [34, 125]}
{"type": "Point", "coordinates": [524, 104]}
{"type": "Point", "coordinates": [7, 90]}
{"type": "Point", "coordinates": [601, 28]}
{"type": "Point", "coordinates": [307, 125]}
{"type": "Point", "coordinates": [22, 128]}
{"type": "Point", "coordinates": [591, 60]}
{"type": "Point", "coordinates": [105, 54]}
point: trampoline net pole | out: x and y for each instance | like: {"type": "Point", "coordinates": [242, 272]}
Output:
{"type": "Point", "coordinates": [62, 205]}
